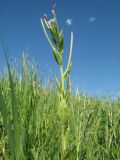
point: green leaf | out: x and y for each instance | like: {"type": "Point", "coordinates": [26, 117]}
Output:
{"type": "Point", "coordinates": [54, 33]}
{"type": "Point", "coordinates": [16, 130]}
{"type": "Point", "coordinates": [55, 41]}
{"type": "Point", "coordinates": [67, 73]}
{"type": "Point", "coordinates": [57, 83]}
{"type": "Point", "coordinates": [61, 45]}
{"type": "Point", "coordinates": [7, 125]}
{"type": "Point", "coordinates": [68, 87]}
{"type": "Point", "coordinates": [61, 33]}
{"type": "Point", "coordinates": [47, 24]}
{"type": "Point", "coordinates": [57, 57]}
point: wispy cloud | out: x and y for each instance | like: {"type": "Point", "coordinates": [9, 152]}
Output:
{"type": "Point", "coordinates": [75, 77]}
{"type": "Point", "coordinates": [69, 21]}
{"type": "Point", "coordinates": [92, 19]}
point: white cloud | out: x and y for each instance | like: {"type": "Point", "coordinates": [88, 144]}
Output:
{"type": "Point", "coordinates": [92, 19]}
{"type": "Point", "coordinates": [76, 77]}
{"type": "Point", "coordinates": [69, 21]}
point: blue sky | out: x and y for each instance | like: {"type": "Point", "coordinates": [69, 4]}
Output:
{"type": "Point", "coordinates": [96, 27]}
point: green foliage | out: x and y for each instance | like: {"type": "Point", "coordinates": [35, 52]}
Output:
{"type": "Point", "coordinates": [57, 40]}
{"type": "Point", "coordinates": [91, 125]}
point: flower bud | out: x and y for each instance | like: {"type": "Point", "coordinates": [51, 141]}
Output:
{"type": "Point", "coordinates": [53, 12]}
{"type": "Point", "coordinates": [45, 17]}
{"type": "Point", "coordinates": [51, 23]}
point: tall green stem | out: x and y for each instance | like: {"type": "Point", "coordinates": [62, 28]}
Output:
{"type": "Point", "coordinates": [56, 41]}
{"type": "Point", "coordinates": [62, 82]}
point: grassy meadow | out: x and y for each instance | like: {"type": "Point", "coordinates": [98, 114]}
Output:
{"type": "Point", "coordinates": [50, 122]}
{"type": "Point", "coordinates": [92, 129]}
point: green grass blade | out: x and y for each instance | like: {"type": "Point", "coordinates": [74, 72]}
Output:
{"type": "Point", "coordinates": [7, 125]}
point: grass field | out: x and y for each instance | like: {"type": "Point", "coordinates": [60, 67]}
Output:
{"type": "Point", "coordinates": [30, 127]}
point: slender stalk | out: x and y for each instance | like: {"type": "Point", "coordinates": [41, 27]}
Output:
{"type": "Point", "coordinates": [62, 82]}
{"type": "Point", "coordinates": [71, 47]}
{"type": "Point", "coordinates": [58, 40]}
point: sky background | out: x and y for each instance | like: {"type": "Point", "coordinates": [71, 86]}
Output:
{"type": "Point", "coordinates": [96, 27]}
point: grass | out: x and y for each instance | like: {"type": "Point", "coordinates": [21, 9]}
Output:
{"type": "Point", "coordinates": [93, 124]}
{"type": "Point", "coordinates": [38, 122]}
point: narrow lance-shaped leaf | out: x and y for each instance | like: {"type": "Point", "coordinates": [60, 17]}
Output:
{"type": "Point", "coordinates": [8, 126]}
{"type": "Point", "coordinates": [70, 55]}
{"type": "Point", "coordinates": [68, 87]}
{"type": "Point", "coordinates": [57, 83]}
{"type": "Point", "coordinates": [67, 73]}
{"type": "Point", "coordinates": [57, 57]}
{"type": "Point", "coordinates": [61, 45]}
{"type": "Point", "coordinates": [47, 35]}
{"type": "Point", "coordinates": [56, 23]}
{"type": "Point", "coordinates": [17, 139]}
{"type": "Point", "coordinates": [13, 98]}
